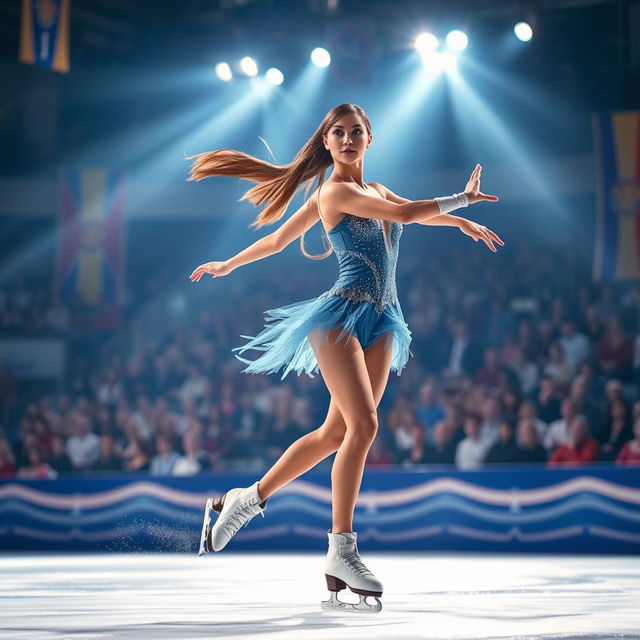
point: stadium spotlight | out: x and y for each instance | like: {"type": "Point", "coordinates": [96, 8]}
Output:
{"type": "Point", "coordinates": [223, 71]}
{"type": "Point", "coordinates": [426, 43]}
{"type": "Point", "coordinates": [274, 76]}
{"type": "Point", "coordinates": [320, 57]}
{"type": "Point", "coordinates": [249, 66]}
{"type": "Point", "coordinates": [457, 40]}
{"type": "Point", "coordinates": [523, 31]}
{"type": "Point", "coordinates": [448, 62]}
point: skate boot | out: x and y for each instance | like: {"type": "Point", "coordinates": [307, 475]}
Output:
{"type": "Point", "coordinates": [235, 508]}
{"type": "Point", "coordinates": [343, 568]}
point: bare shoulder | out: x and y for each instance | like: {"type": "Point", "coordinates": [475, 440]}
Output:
{"type": "Point", "coordinates": [380, 188]}
{"type": "Point", "coordinates": [329, 197]}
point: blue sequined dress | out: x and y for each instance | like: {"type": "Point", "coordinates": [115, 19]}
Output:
{"type": "Point", "coordinates": [363, 301]}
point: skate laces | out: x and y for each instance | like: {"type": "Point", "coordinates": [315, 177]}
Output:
{"type": "Point", "coordinates": [235, 520]}
{"type": "Point", "coordinates": [354, 561]}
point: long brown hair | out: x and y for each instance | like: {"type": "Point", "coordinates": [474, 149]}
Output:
{"type": "Point", "coordinates": [277, 184]}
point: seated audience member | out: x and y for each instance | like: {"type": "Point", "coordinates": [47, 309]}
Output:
{"type": "Point", "coordinates": [59, 459]}
{"type": "Point", "coordinates": [462, 353]}
{"type": "Point", "coordinates": [529, 411]}
{"type": "Point", "coordinates": [141, 458]}
{"type": "Point", "coordinates": [526, 371]}
{"type": "Point", "coordinates": [163, 462]}
{"type": "Point", "coordinates": [194, 459]}
{"type": "Point", "coordinates": [574, 343]}
{"type": "Point", "coordinates": [510, 401]}
{"type": "Point", "coordinates": [616, 430]}
{"type": "Point", "coordinates": [558, 431]}
{"type": "Point", "coordinates": [558, 367]}
{"type": "Point", "coordinates": [109, 459]}
{"type": "Point", "coordinates": [505, 449]}
{"type": "Point", "coordinates": [615, 351]}
{"type": "Point", "coordinates": [401, 421]}
{"type": "Point", "coordinates": [529, 448]}
{"type": "Point", "coordinates": [429, 410]}
{"type": "Point", "coordinates": [491, 413]}
{"type": "Point", "coordinates": [488, 374]}
{"type": "Point", "coordinates": [580, 448]}
{"type": "Point", "coordinates": [585, 405]}
{"type": "Point", "coordinates": [547, 400]}
{"type": "Point", "coordinates": [7, 459]}
{"type": "Point", "coordinates": [415, 453]}
{"type": "Point", "coordinates": [472, 449]}
{"type": "Point", "coordinates": [443, 449]}
{"type": "Point", "coordinates": [83, 448]}
{"type": "Point", "coordinates": [630, 452]}
{"type": "Point", "coordinates": [592, 326]}
{"type": "Point", "coordinates": [37, 467]}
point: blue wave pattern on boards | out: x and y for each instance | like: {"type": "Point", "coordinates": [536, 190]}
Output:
{"type": "Point", "coordinates": [588, 509]}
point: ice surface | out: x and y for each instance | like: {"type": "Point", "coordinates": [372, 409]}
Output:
{"type": "Point", "coordinates": [240, 595]}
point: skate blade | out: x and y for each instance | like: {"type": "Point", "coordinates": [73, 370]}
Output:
{"type": "Point", "coordinates": [205, 525]}
{"type": "Point", "coordinates": [333, 604]}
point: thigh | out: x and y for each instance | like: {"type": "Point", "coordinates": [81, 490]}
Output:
{"type": "Point", "coordinates": [344, 371]}
{"type": "Point", "coordinates": [378, 362]}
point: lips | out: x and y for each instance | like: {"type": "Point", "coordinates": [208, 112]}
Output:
{"type": "Point", "coordinates": [349, 151]}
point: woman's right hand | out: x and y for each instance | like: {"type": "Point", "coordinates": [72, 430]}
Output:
{"type": "Point", "coordinates": [214, 268]}
{"type": "Point", "coordinates": [479, 232]}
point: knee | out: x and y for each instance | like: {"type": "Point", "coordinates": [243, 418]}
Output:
{"type": "Point", "coordinates": [363, 427]}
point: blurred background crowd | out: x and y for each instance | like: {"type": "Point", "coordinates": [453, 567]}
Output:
{"type": "Point", "coordinates": [517, 358]}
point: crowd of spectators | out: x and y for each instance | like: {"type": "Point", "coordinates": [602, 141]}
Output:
{"type": "Point", "coordinates": [517, 360]}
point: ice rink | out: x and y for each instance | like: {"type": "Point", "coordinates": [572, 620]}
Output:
{"type": "Point", "coordinates": [240, 595]}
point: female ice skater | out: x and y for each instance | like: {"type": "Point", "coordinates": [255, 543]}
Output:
{"type": "Point", "coordinates": [354, 333]}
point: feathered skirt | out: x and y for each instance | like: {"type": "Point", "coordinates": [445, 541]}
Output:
{"type": "Point", "coordinates": [285, 338]}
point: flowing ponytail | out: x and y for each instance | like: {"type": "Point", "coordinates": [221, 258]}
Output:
{"type": "Point", "coordinates": [277, 184]}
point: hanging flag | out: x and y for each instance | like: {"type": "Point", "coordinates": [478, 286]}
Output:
{"type": "Point", "coordinates": [44, 34]}
{"type": "Point", "coordinates": [90, 264]}
{"type": "Point", "coordinates": [617, 155]}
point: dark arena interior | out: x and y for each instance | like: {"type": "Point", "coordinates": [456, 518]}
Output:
{"type": "Point", "coordinates": [367, 269]}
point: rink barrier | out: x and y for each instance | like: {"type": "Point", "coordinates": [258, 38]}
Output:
{"type": "Point", "coordinates": [592, 509]}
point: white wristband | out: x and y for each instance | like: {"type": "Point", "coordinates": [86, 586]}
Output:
{"type": "Point", "coordinates": [450, 203]}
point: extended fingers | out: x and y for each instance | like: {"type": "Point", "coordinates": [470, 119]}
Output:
{"type": "Point", "coordinates": [496, 237]}
{"type": "Point", "coordinates": [197, 273]}
{"type": "Point", "coordinates": [488, 242]}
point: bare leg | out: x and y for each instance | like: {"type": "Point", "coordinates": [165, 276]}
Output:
{"type": "Point", "coordinates": [313, 447]}
{"type": "Point", "coordinates": [345, 372]}
{"type": "Point", "coordinates": [304, 453]}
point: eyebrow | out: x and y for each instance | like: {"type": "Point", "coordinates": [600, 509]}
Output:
{"type": "Point", "coordinates": [339, 126]}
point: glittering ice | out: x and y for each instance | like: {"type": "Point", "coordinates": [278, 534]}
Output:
{"type": "Point", "coordinates": [241, 595]}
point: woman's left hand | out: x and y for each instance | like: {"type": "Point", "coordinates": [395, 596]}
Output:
{"type": "Point", "coordinates": [473, 188]}
{"type": "Point", "coordinates": [479, 232]}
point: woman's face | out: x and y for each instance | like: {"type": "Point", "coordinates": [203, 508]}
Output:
{"type": "Point", "coordinates": [349, 134]}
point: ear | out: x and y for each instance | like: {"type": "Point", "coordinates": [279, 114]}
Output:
{"type": "Point", "coordinates": [370, 140]}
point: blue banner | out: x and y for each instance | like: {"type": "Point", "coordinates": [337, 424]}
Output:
{"type": "Point", "coordinates": [44, 34]}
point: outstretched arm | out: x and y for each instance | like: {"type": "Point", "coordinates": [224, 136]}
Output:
{"type": "Point", "coordinates": [443, 219]}
{"type": "Point", "coordinates": [468, 227]}
{"type": "Point", "coordinates": [304, 218]}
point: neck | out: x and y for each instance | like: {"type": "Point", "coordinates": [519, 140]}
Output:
{"type": "Point", "coordinates": [343, 172]}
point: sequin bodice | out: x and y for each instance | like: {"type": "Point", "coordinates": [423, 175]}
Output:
{"type": "Point", "coordinates": [367, 270]}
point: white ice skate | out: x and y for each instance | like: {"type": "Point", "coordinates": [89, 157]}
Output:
{"type": "Point", "coordinates": [235, 508]}
{"type": "Point", "coordinates": [343, 568]}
